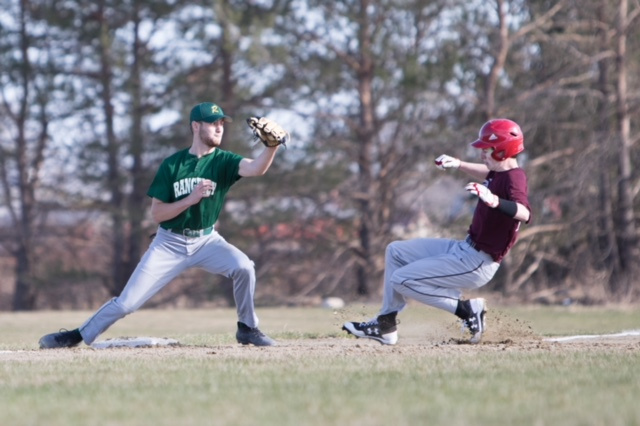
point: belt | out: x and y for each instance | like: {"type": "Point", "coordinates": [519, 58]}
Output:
{"type": "Point", "coordinates": [192, 233]}
{"type": "Point", "coordinates": [469, 241]}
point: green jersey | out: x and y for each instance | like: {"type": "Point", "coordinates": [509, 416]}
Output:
{"type": "Point", "coordinates": [182, 171]}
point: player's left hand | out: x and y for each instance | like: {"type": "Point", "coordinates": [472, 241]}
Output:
{"type": "Point", "coordinates": [267, 131]}
{"type": "Point", "coordinates": [488, 197]}
{"type": "Point", "coordinates": [447, 162]}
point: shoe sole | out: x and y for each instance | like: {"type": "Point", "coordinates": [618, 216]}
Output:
{"type": "Point", "coordinates": [257, 345]}
{"type": "Point", "coordinates": [56, 346]}
{"type": "Point", "coordinates": [380, 340]}
{"type": "Point", "coordinates": [264, 343]}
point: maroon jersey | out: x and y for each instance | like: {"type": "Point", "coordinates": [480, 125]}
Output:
{"type": "Point", "coordinates": [492, 231]}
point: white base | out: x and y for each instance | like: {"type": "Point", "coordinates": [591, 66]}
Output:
{"type": "Point", "coordinates": [134, 342]}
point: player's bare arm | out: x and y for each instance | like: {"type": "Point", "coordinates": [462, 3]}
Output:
{"type": "Point", "coordinates": [271, 135]}
{"type": "Point", "coordinates": [522, 214]}
{"type": "Point", "coordinates": [476, 170]}
{"type": "Point", "coordinates": [161, 211]}
{"type": "Point", "coordinates": [258, 166]}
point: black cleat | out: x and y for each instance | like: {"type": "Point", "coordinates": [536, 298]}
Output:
{"type": "Point", "coordinates": [62, 339]}
{"type": "Point", "coordinates": [383, 329]}
{"type": "Point", "coordinates": [247, 335]}
{"type": "Point", "coordinates": [475, 323]}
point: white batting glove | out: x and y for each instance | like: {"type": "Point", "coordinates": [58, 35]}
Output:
{"type": "Point", "coordinates": [488, 197]}
{"type": "Point", "coordinates": [447, 162]}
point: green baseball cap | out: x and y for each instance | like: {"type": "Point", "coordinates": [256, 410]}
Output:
{"type": "Point", "coordinates": [208, 112]}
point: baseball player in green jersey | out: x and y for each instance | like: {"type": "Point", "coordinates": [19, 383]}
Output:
{"type": "Point", "coordinates": [187, 195]}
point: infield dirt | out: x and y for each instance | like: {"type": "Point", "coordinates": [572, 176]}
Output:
{"type": "Point", "coordinates": [438, 336]}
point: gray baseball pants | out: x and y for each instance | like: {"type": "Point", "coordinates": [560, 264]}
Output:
{"type": "Point", "coordinates": [433, 271]}
{"type": "Point", "coordinates": [169, 255]}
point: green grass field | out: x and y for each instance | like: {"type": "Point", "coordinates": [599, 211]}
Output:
{"type": "Point", "coordinates": [319, 376]}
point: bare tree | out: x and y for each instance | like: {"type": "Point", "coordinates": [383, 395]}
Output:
{"type": "Point", "coordinates": [25, 139]}
{"type": "Point", "coordinates": [379, 63]}
{"type": "Point", "coordinates": [628, 237]}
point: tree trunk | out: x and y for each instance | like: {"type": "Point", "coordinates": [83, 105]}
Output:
{"type": "Point", "coordinates": [138, 201]}
{"type": "Point", "coordinates": [366, 134]}
{"type": "Point", "coordinates": [28, 172]}
{"type": "Point", "coordinates": [119, 274]}
{"type": "Point", "coordinates": [627, 231]}
{"type": "Point", "coordinates": [608, 244]}
{"type": "Point", "coordinates": [499, 60]}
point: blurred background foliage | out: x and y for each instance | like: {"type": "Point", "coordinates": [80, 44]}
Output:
{"type": "Point", "coordinates": [93, 94]}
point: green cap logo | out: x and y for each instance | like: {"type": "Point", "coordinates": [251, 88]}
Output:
{"type": "Point", "coordinates": [208, 112]}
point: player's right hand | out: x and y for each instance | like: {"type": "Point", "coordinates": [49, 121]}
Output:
{"type": "Point", "coordinates": [484, 193]}
{"type": "Point", "coordinates": [447, 162]}
{"type": "Point", "coordinates": [202, 190]}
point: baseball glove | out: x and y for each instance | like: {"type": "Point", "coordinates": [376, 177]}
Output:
{"type": "Point", "coordinates": [268, 132]}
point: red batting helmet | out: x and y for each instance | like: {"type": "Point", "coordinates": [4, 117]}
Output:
{"type": "Point", "coordinates": [504, 136]}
